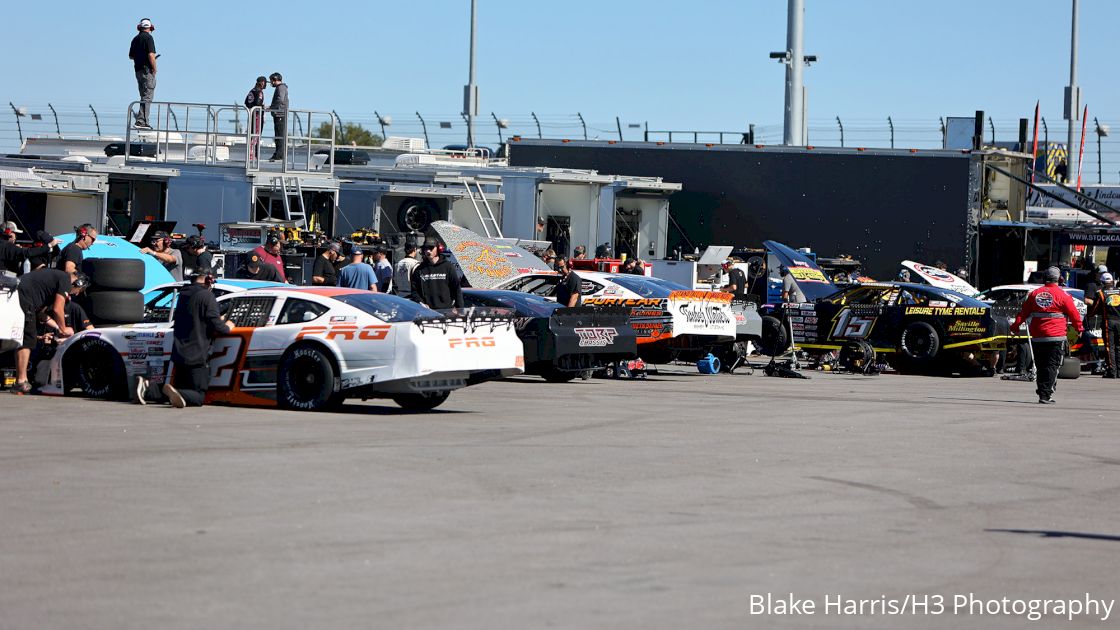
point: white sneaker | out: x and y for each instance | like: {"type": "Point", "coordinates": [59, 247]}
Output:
{"type": "Point", "coordinates": [173, 396]}
{"type": "Point", "coordinates": [141, 389]}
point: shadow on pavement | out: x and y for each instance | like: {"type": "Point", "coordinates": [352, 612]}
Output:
{"type": "Point", "coordinates": [1047, 533]}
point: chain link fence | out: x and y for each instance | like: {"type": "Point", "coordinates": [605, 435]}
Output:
{"type": "Point", "coordinates": [1101, 160]}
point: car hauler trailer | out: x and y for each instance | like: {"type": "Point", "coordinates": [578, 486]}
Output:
{"type": "Point", "coordinates": [878, 205]}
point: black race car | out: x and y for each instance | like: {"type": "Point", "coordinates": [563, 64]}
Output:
{"type": "Point", "coordinates": [915, 327]}
{"type": "Point", "coordinates": [560, 343]}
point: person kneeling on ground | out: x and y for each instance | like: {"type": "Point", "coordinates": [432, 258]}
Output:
{"type": "Point", "coordinates": [197, 321]}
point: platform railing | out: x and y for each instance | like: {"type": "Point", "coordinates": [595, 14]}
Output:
{"type": "Point", "coordinates": [297, 132]}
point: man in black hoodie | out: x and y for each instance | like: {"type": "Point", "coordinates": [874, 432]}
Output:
{"type": "Point", "coordinates": [435, 283]}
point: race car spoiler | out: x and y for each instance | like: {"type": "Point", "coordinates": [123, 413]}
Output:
{"type": "Point", "coordinates": [600, 330]}
{"type": "Point", "coordinates": [468, 320]}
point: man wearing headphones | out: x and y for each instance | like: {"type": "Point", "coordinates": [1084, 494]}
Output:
{"type": "Point", "coordinates": [12, 256]}
{"type": "Point", "coordinates": [73, 254]}
{"type": "Point", "coordinates": [142, 52]}
{"type": "Point", "coordinates": [171, 259]}
{"type": "Point", "coordinates": [279, 109]}
{"type": "Point", "coordinates": [197, 321]}
{"type": "Point", "coordinates": [43, 289]}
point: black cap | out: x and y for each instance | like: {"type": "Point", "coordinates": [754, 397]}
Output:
{"type": "Point", "coordinates": [254, 259]}
{"type": "Point", "coordinates": [431, 243]}
{"type": "Point", "coordinates": [272, 239]}
{"type": "Point", "coordinates": [158, 234]}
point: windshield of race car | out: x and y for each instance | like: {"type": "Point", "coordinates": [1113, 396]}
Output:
{"type": "Point", "coordinates": [389, 308]}
{"type": "Point", "coordinates": [647, 287]}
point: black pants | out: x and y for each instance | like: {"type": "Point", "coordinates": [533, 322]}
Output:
{"type": "Point", "coordinates": [191, 381]}
{"type": "Point", "coordinates": [1048, 356]}
{"type": "Point", "coordinates": [280, 130]}
{"type": "Point", "coordinates": [1111, 332]}
{"type": "Point", "coordinates": [1024, 363]}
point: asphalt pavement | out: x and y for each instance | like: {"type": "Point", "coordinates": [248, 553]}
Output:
{"type": "Point", "coordinates": [674, 502]}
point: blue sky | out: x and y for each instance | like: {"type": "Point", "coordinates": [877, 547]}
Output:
{"type": "Point", "coordinates": [683, 65]}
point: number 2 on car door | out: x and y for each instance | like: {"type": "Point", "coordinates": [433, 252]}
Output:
{"type": "Point", "coordinates": [224, 353]}
{"type": "Point", "coordinates": [849, 326]}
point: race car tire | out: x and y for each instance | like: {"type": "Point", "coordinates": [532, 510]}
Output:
{"type": "Point", "coordinates": [1071, 368]}
{"type": "Point", "coordinates": [857, 356]}
{"type": "Point", "coordinates": [920, 342]}
{"type": "Point", "coordinates": [98, 370]}
{"type": "Point", "coordinates": [116, 307]}
{"type": "Point", "coordinates": [416, 215]}
{"type": "Point", "coordinates": [732, 356]}
{"type": "Point", "coordinates": [306, 379]}
{"type": "Point", "coordinates": [554, 375]}
{"type": "Point", "coordinates": [115, 274]}
{"type": "Point", "coordinates": [775, 339]}
{"type": "Point", "coordinates": [420, 402]}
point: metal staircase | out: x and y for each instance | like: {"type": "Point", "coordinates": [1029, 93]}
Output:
{"type": "Point", "coordinates": [285, 186]}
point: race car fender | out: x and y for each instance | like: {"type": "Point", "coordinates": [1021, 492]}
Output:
{"type": "Point", "coordinates": [702, 313]}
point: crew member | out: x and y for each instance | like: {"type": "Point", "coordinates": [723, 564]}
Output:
{"type": "Point", "coordinates": [49, 289]}
{"type": "Point", "coordinates": [13, 256]}
{"type": "Point", "coordinates": [358, 275]}
{"type": "Point", "coordinates": [39, 367]}
{"type": "Point", "coordinates": [1107, 305]}
{"type": "Point", "coordinates": [568, 289]}
{"type": "Point", "coordinates": [791, 293]}
{"type": "Point", "coordinates": [255, 98]}
{"type": "Point", "coordinates": [269, 253]}
{"type": "Point", "coordinates": [197, 321]}
{"type": "Point", "coordinates": [257, 269]}
{"type": "Point", "coordinates": [159, 247]}
{"type": "Point", "coordinates": [580, 253]}
{"type": "Point", "coordinates": [195, 255]}
{"type": "Point", "coordinates": [73, 254]}
{"type": "Point", "coordinates": [436, 281]}
{"type": "Point", "coordinates": [323, 273]}
{"type": "Point", "coordinates": [736, 280]}
{"type": "Point", "coordinates": [383, 269]}
{"type": "Point", "coordinates": [1046, 310]}
{"type": "Point", "coordinates": [759, 282]}
{"type": "Point", "coordinates": [142, 52]}
{"type": "Point", "coordinates": [279, 109]}
{"type": "Point", "coordinates": [402, 272]}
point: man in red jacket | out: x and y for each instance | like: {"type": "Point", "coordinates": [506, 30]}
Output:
{"type": "Point", "coordinates": [1046, 310]}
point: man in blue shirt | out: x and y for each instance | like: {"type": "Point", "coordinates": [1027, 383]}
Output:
{"type": "Point", "coordinates": [383, 269]}
{"type": "Point", "coordinates": [358, 275]}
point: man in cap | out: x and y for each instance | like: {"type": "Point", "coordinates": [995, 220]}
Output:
{"type": "Point", "coordinates": [569, 289]}
{"type": "Point", "coordinates": [791, 293]}
{"type": "Point", "coordinates": [436, 281]}
{"type": "Point", "coordinates": [142, 52]}
{"type": "Point", "coordinates": [269, 253]}
{"type": "Point", "coordinates": [159, 247]}
{"type": "Point", "coordinates": [358, 274]}
{"type": "Point", "coordinates": [383, 268]}
{"type": "Point", "coordinates": [405, 267]}
{"type": "Point", "coordinates": [257, 269]}
{"type": "Point", "coordinates": [736, 280]}
{"type": "Point", "coordinates": [580, 253]}
{"type": "Point", "coordinates": [324, 273]}
{"type": "Point", "coordinates": [196, 322]}
{"type": "Point", "coordinates": [1045, 312]}
{"type": "Point", "coordinates": [1093, 286]}
{"type": "Point", "coordinates": [74, 254]}
{"type": "Point", "coordinates": [255, 98]}
{"type": "Point", "coordinates": [13, 256]}
{"type": "Point", "coordinates": [1106, 305]}
{"type": "Point", "coordinates": [279, 109]}
{"type": "Point", "coordinates": [47, 289]}
{"type": "Point", "coordinates": [195, 256]}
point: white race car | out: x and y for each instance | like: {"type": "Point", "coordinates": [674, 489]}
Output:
{"type": "Point", "coordinates": [307, 348]}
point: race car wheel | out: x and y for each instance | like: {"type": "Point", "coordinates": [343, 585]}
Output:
{"type": "Point", "coordinates": [775, 339]}
{"type": "Point", "coordinates": [117, 274]}
{"type": "Point", "coordinates": [1071, 368]}
{"type": "Point", "coordinates": [421, 402]}
{"type": "Point", "coordinates": [857, 356]}
{"type": "Point", "coordinates": [732, 356]}
{"type": "Point", "coordinates": [306, 379]}
{"type": "Point", "coordinates": [920, 342]}
{"type": "Point", "coordinates": [98, 371]}
{"type": "Point", "coordinates": [555, 375]}
{"type": "Point", "coordinates": [116, 307]}
{"type": "Point", "coordinates": [416, 215]}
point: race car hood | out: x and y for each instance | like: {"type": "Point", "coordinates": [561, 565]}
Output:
{"type": "Point", "coordinates": [116, 247]}
{"type": "Point", "coordinates": [940, 278]}
{"type": "Point", "coordinates": [485, 262]}
{"type": "Point", "coordinates": [809, 278]}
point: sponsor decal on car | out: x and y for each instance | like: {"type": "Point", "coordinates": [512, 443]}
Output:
{"type": "Point", "coordinates": [949, 310]}
{"type": "Point", "coordinates": [965, 327]}
{"type": "Point", "coordinates": [596, 337]}
{"type": "Point", "coordinates": [345, 333]}
{"type": "Point", "coordinates": [471, 342]}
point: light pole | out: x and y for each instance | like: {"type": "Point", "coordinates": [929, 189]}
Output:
{"type": "Point", "coordinates": [1102, 131]}
{"type": "Point", "coordinates": [795, 59]}
{"type": "Point", "coordinates": [386, 121]}
{"type": "Point", "coordinates": [1073, 95]}
{"type": "Point", "coordinates": [470, 91]}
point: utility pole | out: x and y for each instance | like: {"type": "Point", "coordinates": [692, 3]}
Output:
{"type": "Point", "coordinates": [470, 91]}
{"type": "Point", "coordinates": [795, 83]}
{"type": "Point", "coordinates": [1073, 95]}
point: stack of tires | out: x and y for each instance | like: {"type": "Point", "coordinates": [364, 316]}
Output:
{"type": "Point", "coordinates": [114, 295]}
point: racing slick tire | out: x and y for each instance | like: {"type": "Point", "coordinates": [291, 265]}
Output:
{"type": "Point", "coordinates": [1071, 368]}
{"type": "Point", "coordinates": [552, 374]}
{"type": "Point", "coordinates": [857, 356]}
{"type": "Point", "coordinates": [732, 356]}
{"type": "Point", "coordinates": [420, 402]}
{"type": "Point", "coordinates": [920, 342]}
{"type": "Point", "coordinates": [775, 339]}
{"type": "Point", "coordinates": [97, 370]}
{"type": "Point", "coordinates": [416, 215]}
{"type": "Point", "coordinates": [306, 380]}
{"type": "Point", "coordinates": [116, 307]}
{"type": "Point", "coordinates": [116, 274]}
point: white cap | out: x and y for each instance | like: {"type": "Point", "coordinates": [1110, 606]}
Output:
{"type": "Point", "coordinates": [1106, 277]}
{"type": "Point", "coordinates": [145, 23]}
{"type": "Point", "coordinates": [1102, 269]}
{"type": "Point", "coordinates": [10, 225]}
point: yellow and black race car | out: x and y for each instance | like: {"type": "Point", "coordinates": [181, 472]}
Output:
{"type": "Point", "coordinates": [912, 327]}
